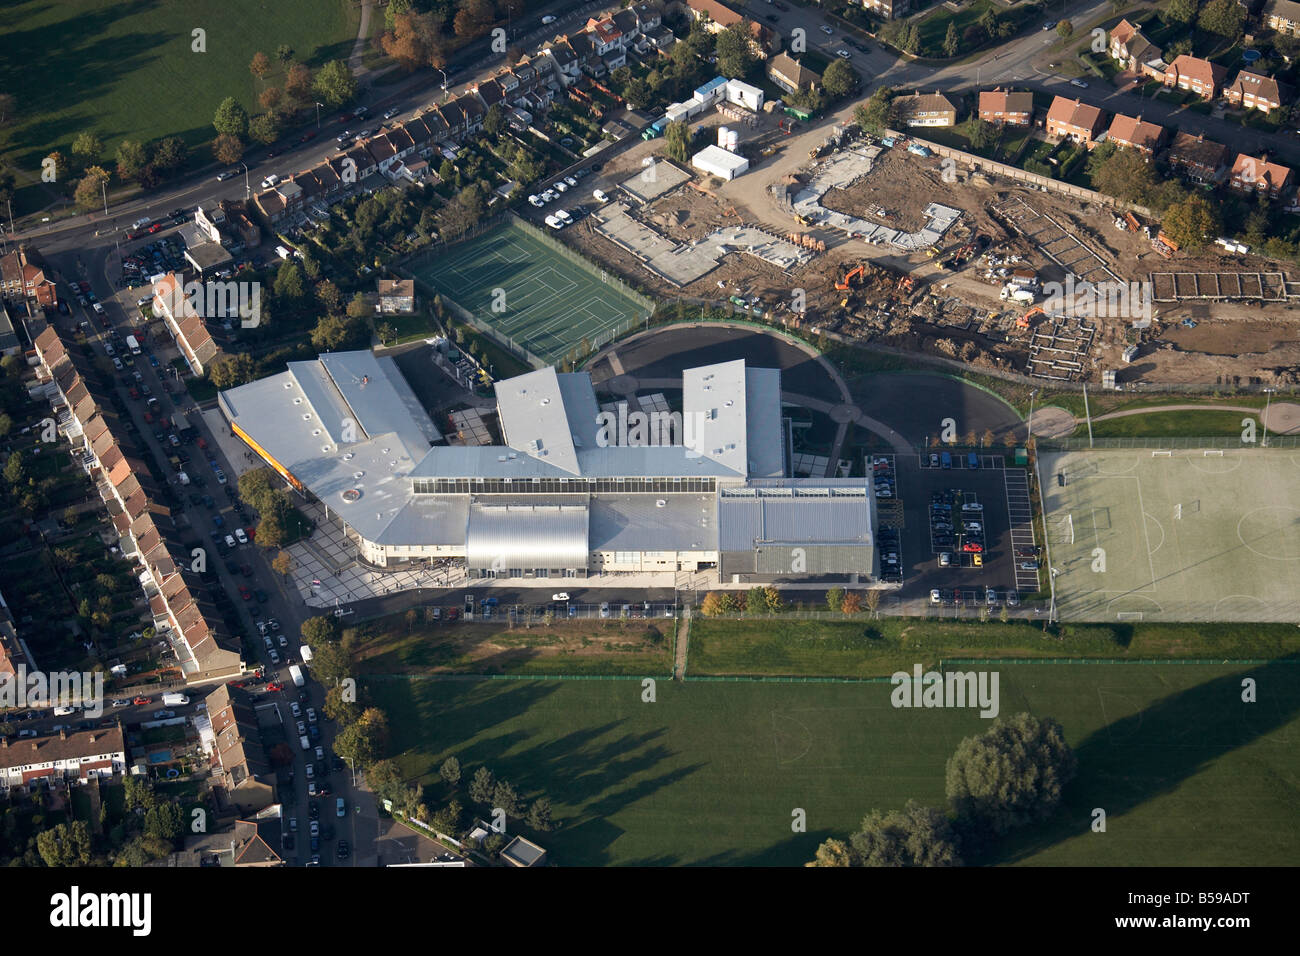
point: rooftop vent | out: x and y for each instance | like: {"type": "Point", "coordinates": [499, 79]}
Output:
{"type": "Point", "coordinates": [661, 503]}
{"type": "Point", "coordinates": [298, 401]}
{"type": "Point", "coordinates": [306, 417]}
{"type": "Point", "coordinates": [288, 384]}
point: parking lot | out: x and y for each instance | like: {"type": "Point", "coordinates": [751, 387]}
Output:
{"type": "Point", "coordinates": [956, 533]}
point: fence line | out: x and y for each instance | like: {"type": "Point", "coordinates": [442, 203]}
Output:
{"type": "Point", "coordinates": [758, 679]}
{"type": "Point", "coordinates": [1107, 660]}
{"type": "Point", "coordinates": [1224, 443]}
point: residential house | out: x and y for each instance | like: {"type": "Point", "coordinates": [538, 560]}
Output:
{"type": "Point", "coordinates": [257, 842]}
{"type": "Point", "coordinates": [718, 17]}
{"type": "Point", "coordinates": [1006, 107]}
{"type": "Point", "coordinates": [242, 776]}
{"type": "Point", "coordinates": [63, 756]}
{"type": "Point", "coordinates": [185, 323]}
{"type": "Point", "coordinates": [396, 296]}
{"type": "Point", "coordinates": [23, 275]}
{"type": "Point", "coordinates": [1282, 16]}
{"type": "Point", "coordinates": [791, 75]}
{"type": "Point", "coordinates": [1131, 49]}
{"type": "Point", "coordinates": [1254, 91]}
{"type": "Point", "coordinates": [1258, 175]}
{"type": "Point", "coordinates": [886, 9]}
{"type": "Point", "coordinates": [1196, 157]}
{"type": "Point", "coordinates": [1074, 120]}
{"type": "Point", "coordinates": [926, 109]}
{"type": "Point", "coordinates": [1136, 133]}
{"type": "Point", "coordinates": [1197, 75]}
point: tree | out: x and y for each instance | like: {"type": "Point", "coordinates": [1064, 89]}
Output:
{"type": "Point", "coordinates": [264, 128]}
{"type": "Point", "coordinates": [298, 84]}
{"type": "Point", "coordinates": [284, 53]}
{"type": "Point", "coordinates": [913, 836]}
{"type": "Point", "coordinates": [677, 141]}
{"type": "Point", "coordinates": [321, 629]}
{"type": "Point", "coordinates": [450, 772]}
{"type": "Point", "coordinates": [164, 821]}
{"type": "Point", "coordinates": [412, 40]}
{"type": "Point", "coordinates": [981, 133]}
{"type": "Point", "coordinates": [872, 600]}
{"type": "Point", "coordinates": [230, 369]}
{"type": "Point", "coordinates": [335, 83]}
{"type": "Point", "coordinates": [1190, 222]}
{"type": "Point", "coordinates": [951, 43]}
{"type": "Point", "coordinates": [852, 603]}
{"type": "Point", "coordinates": [131, 160]}
{"type": "Point", "coordinates": [289, 282]}
{"type": "Point", "coordinates": [87, 148]}
{"type": "Point", "coordinates": [1181, 11]}
{"type": "Point", "coordinates": [333, 334]}
{"type": "Point", "coordinates": [473, 18]}
{"type": "Point", "coordinates": [1064, 28]}
{"type": "Point", "coordinates": [539, 815]}
{"type": "Point", "coordinates": [260, 65]}
{"type": "Point", "coordinates": [712, 604]}
{"type": "Point", "coordinates": [336, 708]}
{"type": "Point", "coordinates": [282, 563]}
{"type": "Point", "coordinates": [832, 853]}
{"type": "Point", "coordinates": [772, 600]}
{"type": "Point", "coordinates": [386, 332]}
{"type": "Point", "coordinates": [227, 149]}
{"type": "Point", "coordinates": [735, 56]}
{"type": "Point", "coordinates": [67, 844]}
{"type": "Point", "coordinates": [878, 113]}
{"type": "Point", "coordinates": [482, 785]}
{"type": "Point", "coordinates": [231, 119]}
{"type": "Point", "coordinates": [1013, 773]}
{"type": "Point", "coordinates": [385, 780]}
{"type": "Point", "coordinates": [505, 797]}
{"type": "Point", "coordinates": [494, 121]}
{"type": "Point", "coordinates": [1122, 173]}
{"type": "Point", "coordinates": [755, 601]}
{"type": "Point", "coordinates": [1224, 18]}
{"type": "Point", "coordinates": [839, 79]}
{"type": "Point", "coordinates": [169, 153]}
{"type": "Point", "coordinates": [363, 741]}
{"type": "Point", "coordinates": [90, 188]}
{"type": "Point", "coordinates": [834, 597]}
{"type": "Point", "coordinates": [271, 98]}
{"type": "Point", "coordinates": [14, 468]}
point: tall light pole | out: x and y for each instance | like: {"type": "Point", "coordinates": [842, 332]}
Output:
{"type": "Point", "coordinates": [247, 189]}
{"type": "Point", "coordinates": [444, 84]}
{"type": "Point", "coordinates": [318, 106]}
{"type": "Point", "coordinates": [103, 188]}
{"type": "Point", "coordinates": [1030, 420]}
{"type": "Point", "coordinates": [1267, 401]}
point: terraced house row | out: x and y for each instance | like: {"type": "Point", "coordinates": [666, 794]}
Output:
{"type": "Point", "coordinates": [401, 153]}
{"type": "Point", "coordinates": [105, 446]}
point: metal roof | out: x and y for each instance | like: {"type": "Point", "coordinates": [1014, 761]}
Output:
{"type": "Point", "coordinates": [654, 523]}
{"type": "Point", "coordinates": [796, 514]}
{"type": "Point", "coordinates": [523, 532]}
{"type": "Point", "coordinates": [713, 402]}
{"type": "Point", "coordinates": [533, 418]}
{"type": "Point", "coordinates": [763, 438]}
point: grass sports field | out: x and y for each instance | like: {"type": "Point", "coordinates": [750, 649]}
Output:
{"type": "Point", "coordinates": [711, 772]}
{"type": "Point", "coordinates": [127, 71]}
{"type": "Point", "coordinates": [1178, 535]}
{"type": "Point", "coordinates": [545, 302]}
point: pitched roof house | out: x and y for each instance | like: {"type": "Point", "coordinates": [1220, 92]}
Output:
{"type": "Point", "coordinates": [1075, 120]}
{"type": "Point", "coordinates": [1193, 73]}
{"type": "Point", "coordinates": [1003, 106]}
{"type": "Point", "coordinates": [1135, 133]}
{"type": "Point", "coordinates": [1254, 91]}
{"type": "Point", "coordinates": [791, 75]}
{"type": "Point", "coordinates": [1250, 174]}
{"type": "Point", "coordinates": [1196, 157]}
{"type": "Point", "coordinates": [926, 109]}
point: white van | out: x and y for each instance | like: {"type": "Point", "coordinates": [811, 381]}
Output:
{"type": "Point", "coordinates": [64, 711]}
{"type": "Point", "coordinates": [175, 700]}
{"type": "Point", "coordinates": [304, 743]}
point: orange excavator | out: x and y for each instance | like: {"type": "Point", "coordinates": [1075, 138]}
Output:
{"type": "Point", "coordinates": [1025, 321]}
{"type": "Point", "coordinates": [846, 283]}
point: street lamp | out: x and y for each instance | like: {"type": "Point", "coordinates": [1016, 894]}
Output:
{"type": "Point", "coordinates": [103, 188]}
{"type": "Point", "coordinates": [318, 106]}
{"type": "Point", "coordinates": [1269, 392]}
{"type": "Point", "coordinates": [1030, 420]}
{"type": "Point", "coordinates": [247, 189]}
{"type": "Point", "coordinates": [444, 85]}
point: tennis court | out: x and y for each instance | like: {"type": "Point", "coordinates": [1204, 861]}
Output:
{"type": "Point", "coordinates": [1188, 535]}
{"type": "Point", "coordinates": [530, 295]}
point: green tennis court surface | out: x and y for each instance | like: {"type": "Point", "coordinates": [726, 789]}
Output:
{"type": "Point", "coordinates": [1175, 536]}
{"type": "Point", "coordinates": [531, 294]}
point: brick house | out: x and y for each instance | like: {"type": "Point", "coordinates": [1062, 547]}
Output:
{"type": "Point", "coordinates": [1250, 174]}
{"type": "Point", "coordinates": [791, 75]}
{"type": "Point", "coordinates": [1075, 120]}
{"type": "Point", "coordinates": [63, 756]}
{"type": "Point", "coordinates": [396, 296]}
{"type": "Point", "coordinates": [1134, 132]}
{"type": "Point", "coordinates": [1004, 107]}
{"type": "Point", "coordinates": [1254, 91]}
{"type": "Point", "coordinates": [1201, 77]}
{"type": "Point", "coordinates": [1130, 48]}
{"type": "Point", "coordinates": [926, 109]}
{"type": "Point", "coordinates": [1196, 157]}
{"type": "Point", "coordinates": [1282, 16]}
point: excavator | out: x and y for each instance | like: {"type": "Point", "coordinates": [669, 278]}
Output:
{"type": "Point", "coordinates": [1025, 321]}
{"type": "Point", "coordinates": [847, 282]}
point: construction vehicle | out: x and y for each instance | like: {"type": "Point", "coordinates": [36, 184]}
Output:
{"type": "Point", "coordinates": [1026, 320]}
{"type": "Point", "coordinates": [1014, 293]}
{"type": "Point", "coordinates": [847, 282]}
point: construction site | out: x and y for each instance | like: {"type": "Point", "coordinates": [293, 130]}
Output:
{"type": "Point", "coordinates": [881, 240]}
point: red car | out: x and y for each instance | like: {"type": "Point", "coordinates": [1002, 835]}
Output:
{"type": "Point", "coordinates": [141, 701]}
{"type": "Point", "coordinates": [275, 685]}
{"type": "Point", "coordinates": [134, 392]}
{"type": "Point", "coordinates": [310, 135]}
{"type": "Point", "coordinates": [972, 547]}
{"type": "Point", "coordinates": [155, 227]}
{"type": "Point", "coordinates": [244, 593]}
{"type": "Point", "coordinates": [203, 443]}
{"type": "Point", "coordinates": [251, 532]}
{"type": "Point", "coordinates": [238, 683]}
{"type": "Point", "coordinates": [148, 418]}
{"type": "Point", "coordinates": [84, 287]}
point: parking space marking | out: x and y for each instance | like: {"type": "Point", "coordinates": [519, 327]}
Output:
{"type": "Point", "coordinates": [1020, 517]}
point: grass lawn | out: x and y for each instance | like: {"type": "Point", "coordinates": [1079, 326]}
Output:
{"type": "Point", "coordinates": [934, 28]}
{"type": "Point", "coordinates": [1183, 424]}
{"type": "Point", "coordinates": [128, 71]}
{"type": "Point", "coordinates": [852, 649]}
{"type": "Point", "coordinates": [709, 773]}
{"type": "Point", "coordinates": [643, 647]}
